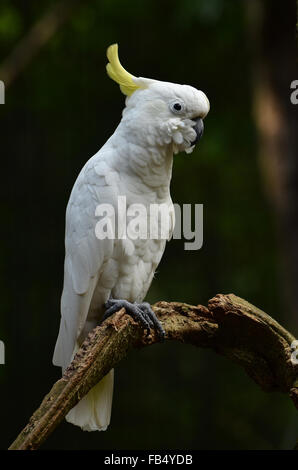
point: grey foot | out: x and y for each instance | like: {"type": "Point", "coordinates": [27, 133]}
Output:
{"type": "Point", "coordinates": [142, 312]}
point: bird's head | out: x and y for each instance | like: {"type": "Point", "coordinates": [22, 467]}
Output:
{"type": "Point", "coordinates": [160, 113]}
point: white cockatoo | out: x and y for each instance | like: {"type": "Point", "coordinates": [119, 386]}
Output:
{"type": "Point", "coordinates": [101, 275]}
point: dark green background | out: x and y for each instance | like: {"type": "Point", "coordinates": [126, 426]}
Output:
{"type": "Point", "coordinates": [58, 113]}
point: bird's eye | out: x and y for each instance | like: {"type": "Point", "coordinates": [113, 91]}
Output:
{"type": "Point", "coordinates": [177, 106]}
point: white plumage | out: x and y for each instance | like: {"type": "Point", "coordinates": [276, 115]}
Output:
{"type": "Point", "coordinates": [136, 162]}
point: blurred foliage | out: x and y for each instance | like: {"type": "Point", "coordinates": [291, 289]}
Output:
{"type": "Point", "coordinates": [57, 114]}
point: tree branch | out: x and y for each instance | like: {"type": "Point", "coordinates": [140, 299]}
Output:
{"type": "Point", "coordinates": [230, 325]}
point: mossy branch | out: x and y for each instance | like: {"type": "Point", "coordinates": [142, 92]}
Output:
{"type": "Point", "coordinates": [230, 326]}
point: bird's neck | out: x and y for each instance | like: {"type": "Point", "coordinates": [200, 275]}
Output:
{"type": "Point", "coordinates": [144, 161]}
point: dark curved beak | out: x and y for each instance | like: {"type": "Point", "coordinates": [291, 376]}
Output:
{"type": "Point", "coordinates": [199, 128]}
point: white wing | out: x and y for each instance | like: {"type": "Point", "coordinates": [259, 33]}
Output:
{"type": "Point", "coordinates": [85, 256]}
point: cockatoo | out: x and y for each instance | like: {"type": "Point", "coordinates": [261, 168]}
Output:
{"type": "Point", "coordinates": [101, 275]}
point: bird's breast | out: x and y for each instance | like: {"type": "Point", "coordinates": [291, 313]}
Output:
{"type": "Point", "coordinates": [137, 261]}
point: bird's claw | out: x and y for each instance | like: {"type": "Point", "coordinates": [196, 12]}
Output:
{"type": "Point", "coordinates": [141, 312]}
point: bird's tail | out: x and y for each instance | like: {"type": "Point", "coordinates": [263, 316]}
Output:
{"type": "Point", "coordinates": [93, 412]}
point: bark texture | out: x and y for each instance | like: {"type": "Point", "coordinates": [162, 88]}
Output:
{"type": "Point", "coordinates": [230, 326]}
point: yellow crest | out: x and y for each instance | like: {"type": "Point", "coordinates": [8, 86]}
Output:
{"type": "Point", "coordinates": [117, 73]}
